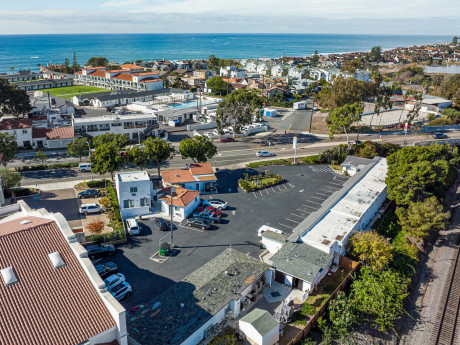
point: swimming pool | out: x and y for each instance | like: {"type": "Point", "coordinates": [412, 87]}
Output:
{"type": "Point", "coordinates": [189, 104]}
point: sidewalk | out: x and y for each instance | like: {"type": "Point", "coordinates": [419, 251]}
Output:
{"type": "Point", "coordinates": [55, 185]}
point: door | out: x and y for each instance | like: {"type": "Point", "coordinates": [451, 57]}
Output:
{"type": "Point", "coordinates": [279, 277]}
{"type": "Point", "coordinates": [197, 186]}
{"type": "Point", "coordinates": [295, 283]}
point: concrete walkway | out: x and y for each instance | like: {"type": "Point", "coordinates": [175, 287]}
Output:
{"type": "Point", "coordinates": [55, 185]}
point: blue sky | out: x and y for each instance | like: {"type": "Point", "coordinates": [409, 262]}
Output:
{"type": "Point", "coordinates": [163, 16]}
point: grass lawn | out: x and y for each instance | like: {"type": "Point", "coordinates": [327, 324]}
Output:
{"type": "Point", "coordinates": [68, 92]}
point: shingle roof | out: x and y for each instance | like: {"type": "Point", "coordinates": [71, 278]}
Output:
{"type": "Point", "coordinates": [47, 305]}
{"type": "Point", "coordinates": [274, 236]}
{"type": "Point", "coordinates": [300, 260]}
{"type": "Point", "coordinates": [203, 293]}
{"type": "Point", "coordinates": [261, 320]}
{"type": "Point", "coordinates": [355, 161]}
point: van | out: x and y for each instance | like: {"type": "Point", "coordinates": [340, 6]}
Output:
{"type": "Point", "coordinates": [133, 227]}
{"type": "Point", "coordinates": [84, 167]}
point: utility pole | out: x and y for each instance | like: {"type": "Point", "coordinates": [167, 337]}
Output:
{"type": "Point", "coordinates": [311, 116]}
{"type": "Point", "coordinates": [171, 244]}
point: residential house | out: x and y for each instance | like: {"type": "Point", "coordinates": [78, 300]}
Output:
{"type": "Point", "coordinates": [278, 70]}
{"type": "Point", "coordinates": [218, 290]}
{"type": "Point", "coordinates": [327, 74]}
{"type": "Point", "coordinates": [183, 201]}
{"type": "Point", "coordinates": [133, 193]}
{"type": "Point", "coordinates": [19, 128]}
{"type": "Point", "coordinates": [263, 68]}
{"type": "Point", "coordinates": [232, 72]}
{"type": "Point", "coordinates": [260, 327]}
{"type": "Point", "coordinates": [197, 176]}
{"type": "Point", "coordinates": [57, 297]}
{"type": "Point", "coordinates": [251, 67]}
{"type": "Point", "coordinates": [202, 74]}
{"type": "Point", "coordinates": [296, 72]}
{"type": "Point", "coordinates": [300, 266]}
{"type": "Point", "coordinates": [51, 138]}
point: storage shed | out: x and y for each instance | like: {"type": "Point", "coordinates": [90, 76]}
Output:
{"type": "Point", "coordinates": [260, 327]}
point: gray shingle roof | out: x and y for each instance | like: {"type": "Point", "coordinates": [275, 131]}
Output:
{"type": "Point", "coordinates": [261, 320]}
{"type": "Point", "coordinates": [300, 260]}
{"type": "Point", "coordinates": [355, 161]}
{"type": "Point", "coordinates": [274, 236]}
{"type": "Point", "coordinates": [203, 293]}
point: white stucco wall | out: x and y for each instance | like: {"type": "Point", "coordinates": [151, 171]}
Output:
{"type": "Point", "coordinates": [271, 245]}
{"type": "Point", "coordinates": [124, 193]}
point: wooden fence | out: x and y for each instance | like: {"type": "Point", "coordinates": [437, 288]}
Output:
{"type": "Point", "coordinates": [345, 263]}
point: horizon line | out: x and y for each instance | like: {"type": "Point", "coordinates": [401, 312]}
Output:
{"type": "Point", "coordinates": [223, 33]}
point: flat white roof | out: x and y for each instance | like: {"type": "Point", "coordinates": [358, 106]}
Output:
{"type": "Point", "coordinates": [339, 221]}
{"type": "Point", "coordinates": [133, 176]}
{"type": "Point", "coordinates": [114, 118]}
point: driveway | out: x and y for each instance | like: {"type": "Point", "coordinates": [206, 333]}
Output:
{"type": "Point", "coordinates": [282, 207]}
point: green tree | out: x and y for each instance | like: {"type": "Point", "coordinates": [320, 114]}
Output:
{"type": "Point", "coordinates": [138, 157]}
{"type": "Point", "coordinates": [212, 60]}
{"type": "Point", "coordinates": [217, 85]}
{"type": "Point", "coordinates": [414, 112]}
{"type": "Point", "coordinates": [344, 91]}
{"type": "Point", "coordinates": [10, 179]}
{"type": "Point", "coordinates": [78, 147]}
{"type": "Point", "coordinates": [351, 66]}
{"type": "Point", "coordinates": [13, 100]}
{"type": "Point", "coordinates": [158, 151]}
{"type": "Point", "coordinates": [119, 139]}
{"type": "Point", "coordinates": [342, 118]}
{"type": "Point", "coordinates": [380, 295]}
{"type": "Point", "coordinates": [75, 66]}
{"type": "Point", "coordinates": [315, 58]}
{"type": "Point", "coordinates": [199, 148]}
{"type": "Point", "coordinates": [8, 147]}
{"type": "Point", "coordinates": [422, 217]}
{"type": "Point", "coordinates": [41, 156]}
{"type": "Point", "coordinates": [450, 88]}
{"type": "Point", "coordinates": [342, 313]}
{"type": "Point", "coordinates": [372, 249]}
{"type": "Point", "coordinates": [454, 40]}
{"type": "Point", "coordinates": [97, 61]}
{"type": "Point", "coordinates": [237, 109]}
{"type": "Point", "coordinates": [106, 158]}
{"type": "Point", "coordinates": [376, 53]}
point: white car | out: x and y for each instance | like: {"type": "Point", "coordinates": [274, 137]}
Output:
{"type": "Point", "coordinates": [227, 131]}
{"type": "Point", "coordinates": [208, 134]}
{"type": "Point", "coordinates": [264, 154]}
{"type": "Point", "coordinates": [257, 125]}
{"type": "Point", "coordinates": [216, 203]}
{"type": "Point", "coordinates": [84, 167]}
{"type": "Point", "coordinates": [133, 227]}
{"type": "Point", "coordinates": [245, 128]}
{"type": "Point", "coordinates": [215, 132]}
{"type": "Point", "coordinates": [121, 291]}
{"type": "Point", "coordinates": [315, 107]}
{"type": "Point", "coordinates": [91, 208]}
{"type": "Point", "coordinates": [114, 280]}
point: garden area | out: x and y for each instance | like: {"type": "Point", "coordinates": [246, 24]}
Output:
{"type": "Point", "coordinates": [259, 181]}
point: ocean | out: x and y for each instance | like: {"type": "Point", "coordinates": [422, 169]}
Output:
{"type": "Point", "coordinates": [27, 51]}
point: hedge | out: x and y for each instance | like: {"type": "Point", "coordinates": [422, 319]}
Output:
{"type": "Point", "coordinates": [115, 207]}
{"type": "Point", "coordinates": [263, 181]}
{"type": "Point", "coordinates": [290, 161]}
{"type": "Point", "coordinates": [48, 166]}
{"type": "Point", "coordinates": [98, 183]}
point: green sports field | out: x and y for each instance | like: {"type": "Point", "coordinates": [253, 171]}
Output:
{"type": "Point", "coordinates": [68, 92]}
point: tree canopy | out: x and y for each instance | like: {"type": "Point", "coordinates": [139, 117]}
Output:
{"type": "Point", "coordinates": [13, 100]}
{"type": "Point", "coordinates": [119, 139]}
{"type": "Point", "coordinates": [237, 109]}
{"type": "Point", "coordinates": [199, 148]}
{"type": "Point", "coordinates": [351, 66]}
{"type": "Point", "coordinates": [315, 58]}
{"type": "Point", "coordinates": [422, 217]}
{"type": "Point", "coordinates": [342, 118]}
{"type": "Point", "coordinates": [10, 179]}
{"type": "Point", "coordinates": [106, 158]}
{"type": "Point", "coordinates": [158, 151]}
{"type": "Point", "coordinates": [8, 147]}
{"type": "Point", "coordinates": [375, 54]}
{"type": "Point", "coordinates": [373, 249]}
{"type": "Point", "coordinates": [78, 147]}
{"type": "Point", "coordinates": [97, 61]}
{"type": "Point", "coordinates": [450, 88]}
{"type": "Point", "coordinates": [138, 157]}
{"type": "Point", "coordinates": [217, 85]}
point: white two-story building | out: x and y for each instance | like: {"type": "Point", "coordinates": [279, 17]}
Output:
{"type": "Point", "coordinates": [232, 72]}
{"type": "Point", "coordinates": [133, 193]}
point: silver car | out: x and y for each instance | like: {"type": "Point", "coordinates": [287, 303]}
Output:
{"type": "Point", "coordinates": [91, 208]}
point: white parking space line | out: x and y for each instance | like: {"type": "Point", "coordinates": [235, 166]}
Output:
{"type": "Point", "coordinates": [266, 190]}
{"type": "Point", "coordinates": [287, 226]}
{"type": "Point", "coordinates": [303, 211]}
{"type": "Point", "coordinates": [284, 186]}
{"type": "Point", "coordinates": [279, 188]}
{"type": "Point", "coordinates": [331, 189]}
{"type": "Point", "coordinates": [296, 215]}
{"type": "Point", "coordinates": [313, 202]}
{"type": "Point", "coordinates": [315, 197]}
{"type": "Point", "coordinates": [328, 195]}
{"type": "Point", "coordinates": [336, 184]}
{"type": "Point", "coordinates": [254, 194]}
{"type": "Point", "coordinates": [309, 206]}
{"type": "Point", "coordinates": [260, 193]}
{"type": "Point", "coordinates": [291, 185]}
{"type": "Point", "coordinates": [272, 189]}
{"type": "Point", "coordinates": [290, 220]}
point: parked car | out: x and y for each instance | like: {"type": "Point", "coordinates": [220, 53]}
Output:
{"type": "Point", "coordinates": [91, 208]}
{"type": "Point", "coordinates": [208, 134]}
{"type": "Point", "coordinates": [100, 250]}
{"type": "Point", "coordinates": [104, 270]}
{"type": "Point", "coordinates": [89, 193]}
{"type": "Point", "coordinates": [133, 227]}
{"type": "Point", "coordinates": [84, 167]}
{"type": "Point", "coordinates": [227, 140]}
{"type": "Point", "coordinates": [162, 224]}
{"type": "Point", "coordinates": [207, 215]}
{"type": "Point", "coordinates": [215, 132]}
{"type": "Point", "coordinates": [264, 154]}
{"type": "Point", "coordinates": [114, 280]}
{"type": "Point", "coordinates": [315, 107]}
{"type": "Point", "coordinates": [121, 291]}
{"type": "Point", "coordinates": [216, 211]}
{"type": "Point", "coordinates": [216, 203]}
{"type": "Point", "coordinates": [199, 223]}
{"type": "Point", "coordinates": [437, 135]}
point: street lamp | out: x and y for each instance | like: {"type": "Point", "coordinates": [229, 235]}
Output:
{"type": "Point", "coordinates": [89, 155]}
{"type": "Point", "coordinates": [171, 192]}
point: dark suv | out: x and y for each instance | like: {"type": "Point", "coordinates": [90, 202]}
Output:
{"type": "Point", "coordinates": [439, 136]}
{"type": "Point", "coordinates": [89, 193]}
{"type": "Point", "coordinates": [106, 270]}
{"type": "Point", "coordinates": [162, 224]}
{"type": "Point", "coordinates": [199, 223]}
{"type": "Point", "coordinates": [96, 251]}
{"type": "Point", "coordinates": [208, 215]}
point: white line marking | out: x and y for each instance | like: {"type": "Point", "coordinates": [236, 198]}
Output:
{"type": "Point", "coordinates": [314, 197]}
{"type": "Point", "coordinates": [291, 185]}
{"type": "Point", "coordinates": [328, 195]}
{"type": "Point", "coordinates": [290, 220]}
{"type": "Point", "coordinates": [290, 227]}
{"type": "Point", "coordinates": [309, 206]}
{"type": "Point", "coordinates": [260, 193]}
{"type": "Point", "coordinates": [266, 190]}
{"type": "Point", "coordinates": [272, 189]}
{"type": "Point", "coordinates": [254, 194]}
{"type": "Point", "coordinates": [336, 184]}
{"type": "Point", "coordinates": [279, 188]}
{"type": "Point", "coordinates": [284, 186]}
{"type": "Point", "coordinates": [304, 211]}
{"type": "Point", "coordinates": [313, 202]}
{"type": "Point", "coordinates": [296, 215]}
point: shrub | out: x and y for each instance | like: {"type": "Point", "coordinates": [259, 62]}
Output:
{"type": "Point", "coordinates": [431, 116]}
{"type": "Point", "coordinates": [97, 184]}
{"type": "Point", "coordinates": [50, 166]}
{"type": "Point", "coordinates": [441, 121]}
{"type": "Point", "coordinates": [96, 227]}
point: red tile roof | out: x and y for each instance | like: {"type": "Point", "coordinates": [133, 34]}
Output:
{"type": "Point", "coordinates": [131, 66]}
{"type": "Point", "coordinates": [177, 176]}
{"type": "Point", "coordinates": [124, 76]}
{"type": "Point", "coordinates": [59, 133]}
{"type": "Point", "coordinates": [79, 72]}
{"type": "Point", "coordinates": [147, 73]}
{"type": "Point", "coordinates": [9, 124]}
{"type": "Point", "coordinates": [201, 168]}
{"type": "Point", "coordinates": [99, 67]}
{"type": "Point", "coordinates": [150, 80]}
{"type": "Point", "coordinates": [182, 198]}
{"type": "Point", "coordinates": [98, 74]}
{"type": "Point", "coordinates": [46, 305]}
{"type": "Point", "coordinates": [38, 132]}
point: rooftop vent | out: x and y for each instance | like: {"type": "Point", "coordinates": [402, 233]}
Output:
{"type": "Point", "coordinates": [56, 259]}
{"type": "Point", "coordinates": [25, 221]}
{"type": "Point", "coordinates": [8, 276]}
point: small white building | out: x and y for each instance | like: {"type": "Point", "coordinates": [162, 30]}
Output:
{"type": "Point", "coordinates": [352, 164]}
{"type": "Point", "coordinates": [232, 72]}
{"type": "Point", "coordinates": [260, 327]}
{"type": "Point", "coordinates": [133, 193]}
{"type": "Point", "coordinates": [272, 241]}
{"type": "Point", "coordinates": [277, 70]}
{"type": "Point", "coordinates": [296, 72]}
{"type": "Point", "coordinates": [184, 201]}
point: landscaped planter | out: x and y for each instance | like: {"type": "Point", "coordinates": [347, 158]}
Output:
{"type": "Point", "coordinates": [257, 182]}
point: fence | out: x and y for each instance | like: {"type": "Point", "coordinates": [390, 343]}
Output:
{"type": "Point", "coordinates": [345, 263]}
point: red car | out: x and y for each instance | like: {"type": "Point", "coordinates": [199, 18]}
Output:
{"type": "Point", "coordinates": [211, 209]}
{"type": "Point", "coordinates": [227, 140]}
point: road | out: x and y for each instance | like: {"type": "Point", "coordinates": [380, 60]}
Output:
{"type": "Point", "coordinates": [229, 154]}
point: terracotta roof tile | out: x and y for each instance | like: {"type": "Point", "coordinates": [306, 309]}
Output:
{"type": "Point", "coordinates": [59, 133]}
{"type": "Point", "coordinates": [38, 132]}
{"type": "Point", "coordinates": [131, 66]}
{"type": "Point", "coordinates": [124, 76]}
{"type": "Point", "coordinates": [9, 124]}
{"type": "Point", "coordinates": [201, 168]}
{"type": "Point", "coordinates": [177, 176]}
{"type": "Point", "coordinates": [183, 196]}
{"type": "Point", "coordinates": [47, 305]}
{"type": "Point", "coordinates": [98, 74]}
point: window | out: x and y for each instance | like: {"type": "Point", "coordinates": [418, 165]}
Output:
{"type": "Point", "coordinates": [145, 201]}
{"type": "Point", "coordinates": [128, 203]}
{"type": "Point", "coordinates": [24, 131]}
{"type": "Point", "coordinates": [133, 189]}
{"type": "Point", "coordinates": [177, 208]}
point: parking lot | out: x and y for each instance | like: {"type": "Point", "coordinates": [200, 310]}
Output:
{"type": "Point", "coordinates": [282, 207]}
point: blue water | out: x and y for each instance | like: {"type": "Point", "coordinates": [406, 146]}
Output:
{"type": "Point", "coordinates": [17, 50]}
{"type": "Point", "coordinates": [189, 104]}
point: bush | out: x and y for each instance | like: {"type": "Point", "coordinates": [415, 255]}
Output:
{"type": "Point", "coordinates": [441, 121]}
{"type": "Point", "coordinates": [249, 183]}
{"type": "Point", "coordinates": [50, 166]}
{"type": "Point", "coordinates": [97, 184]}
{"type": "Point", "coordinates": [431, 116]}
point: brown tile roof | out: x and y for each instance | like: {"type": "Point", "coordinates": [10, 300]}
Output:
{"type": "Point", "coordinates": [9, 124]}
{"type": "Point", "coordinates": [150, 80]}
{"type": "Point", "coordinates": [182, 198]}
{"type": "Point", "coordinates": [38, 132]}
{"type": "Point", "coordinates": [207, 178]}
{"type": "Point", "coordinates": [98, 74]}
{"type": "Point", "coordinates": [79, 72]}
{"type": "Point", "coordinates": [47, 305]}
{"type": "Point", "coordinates": [201, 168]}
{"type": "Point", "coordinates": [131, 66]}
{"type": "Point", "coordinates": [124, 76]}
{"type": "Point", "coordinates": [59, 133]}
{"type": "Point", "coordinates": [98, 67]}
{"type": "Point", "coordinates": [177, 176]}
